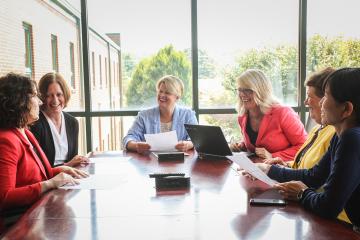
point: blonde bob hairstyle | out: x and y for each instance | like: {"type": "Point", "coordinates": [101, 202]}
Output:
{"type": "Point", "coordinates": [47, 80]}
{"type": "Point", "coordinates": [262, 90]}
{"type": "Point", "coordinates": [172, 84]}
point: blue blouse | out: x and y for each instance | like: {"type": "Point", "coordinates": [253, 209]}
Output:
{"type": "Point", "coordinates": [148, 122]}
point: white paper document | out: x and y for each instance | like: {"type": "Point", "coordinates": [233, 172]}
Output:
{"type": "Point", "coordinates": [165, 141]}
{"type": "Point", "coordinates": [245, 163]}
{"type": "Point", "coordinates": [97, 181]}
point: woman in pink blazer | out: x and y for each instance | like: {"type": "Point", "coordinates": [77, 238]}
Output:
{"type": "Point", "coordinates": [269, 128]}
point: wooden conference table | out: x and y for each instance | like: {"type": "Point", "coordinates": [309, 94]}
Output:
{"type": "Point", "coordinates": [215, 207]}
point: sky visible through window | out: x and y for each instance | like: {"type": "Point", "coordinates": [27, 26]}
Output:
{"type": "Point", "coordinates": [146, 26]}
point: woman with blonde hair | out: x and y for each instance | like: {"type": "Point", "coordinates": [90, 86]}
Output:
{"type": "Point", "coordinates": [269, 128]}
{"type": "Point", "coordinates": [167, 116]}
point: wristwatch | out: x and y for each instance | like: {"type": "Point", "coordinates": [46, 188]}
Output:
{"type": "Point", "coordinates": [300, 194]}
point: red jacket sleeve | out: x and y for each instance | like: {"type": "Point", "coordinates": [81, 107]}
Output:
{"type": "Point", "coordinates": [295, 133]}
{"type": "Point", "coordinates": [14, 193]}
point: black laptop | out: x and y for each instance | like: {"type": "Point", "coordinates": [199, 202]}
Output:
{"type": "Point", "coordinates": [208, 140]}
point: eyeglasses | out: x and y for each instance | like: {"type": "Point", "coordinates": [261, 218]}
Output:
{"type": "Point", "coordinates": [246, 91]}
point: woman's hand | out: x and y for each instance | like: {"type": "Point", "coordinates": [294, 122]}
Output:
{"type": "Point", "coordinates": [77, 160]}
{"type": "Point", "coordinates": [142, 147]}
{"type": "Point", "coordinates": [139, 147]}
{"type": "Point", "coordinates": [59, 180]}
{"type": "Point", "coordinates": [75, 173]}
{"type": "Point", "coordinates": [263, 167]}
{"type": "Point", "coordinates": [237, 147]}
{"type": "Point", "coordinates": [290, 190]}
{"type": "Point", "coordinates": [183, 146]}
{"type": "Point", "coordinates": [276, 161]}
{"type": "Point", "coordinates": [263, 153]}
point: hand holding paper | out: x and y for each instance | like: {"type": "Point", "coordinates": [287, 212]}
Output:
{"type": "Point", "coordinates": [245, 163]}
{"type": "Point", "coordinates": [165, 141]}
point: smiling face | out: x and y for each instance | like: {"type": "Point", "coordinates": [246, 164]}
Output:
{"type": "Point", "coordinates": [165, 99]}
{"type": "Point", "coordinates": [246, 96]}
{"type": "Point", "coordinates": [331, 111]}
{"type": "Point", "coordinates": [55, 101]}
{"type": "Point", "coordinates": [313, 102]}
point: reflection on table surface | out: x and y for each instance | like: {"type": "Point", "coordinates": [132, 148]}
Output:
{"type": "Point", "coordinates": [215, 207]}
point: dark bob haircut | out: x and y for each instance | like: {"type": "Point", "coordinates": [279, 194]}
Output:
{"type": "Point", "coordinates": [344, 86]}
{"type": "Point", "coordinates": [15, 94]}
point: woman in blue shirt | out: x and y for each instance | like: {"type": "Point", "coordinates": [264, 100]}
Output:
{"type": "Point", "coordinates": [167, 116]}
{"type": "Point", "coordinates": [338, 172]}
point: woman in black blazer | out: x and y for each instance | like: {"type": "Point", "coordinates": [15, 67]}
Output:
{"type": "Point", "coordinates": [57, 131]}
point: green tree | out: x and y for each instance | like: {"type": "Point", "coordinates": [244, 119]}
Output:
{"type": "Point", "coordinates": [141, 90]}
{"type": "Point", "coordinates": [207, 65]}
{"type": "Point", "coordinates": [334, 52]}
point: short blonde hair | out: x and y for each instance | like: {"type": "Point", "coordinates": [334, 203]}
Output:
{"type": "Point", "coordinates": [262, 89]}
{"type": "Point", "coordinates": [50, 78]}
{"type": "Point", "coordinates": [172, 84]}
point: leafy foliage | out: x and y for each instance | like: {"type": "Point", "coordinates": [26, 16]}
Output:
{"type": "Point", "coordinates": [334, 52]}
{"type": "Point", "coordinates": [142, 87]}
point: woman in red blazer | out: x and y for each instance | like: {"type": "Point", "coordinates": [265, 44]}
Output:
{"type": "Point", "coordinates": [25, 173]}
{"type": "Point", "coordinates": [269, 128]}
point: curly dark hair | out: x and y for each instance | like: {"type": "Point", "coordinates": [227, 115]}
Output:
{"type": "Point", "coordinates": [15, 93]}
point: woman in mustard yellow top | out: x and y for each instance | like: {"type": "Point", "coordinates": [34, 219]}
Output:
{"type": "Point", "coordinates": [319, 137]}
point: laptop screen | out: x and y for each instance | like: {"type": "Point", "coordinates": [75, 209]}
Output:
{"type": "Point", "coordinates": [208, 139]}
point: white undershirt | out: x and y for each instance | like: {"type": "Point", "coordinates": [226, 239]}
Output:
{"type": "Point", "coordinates": [60, 140]}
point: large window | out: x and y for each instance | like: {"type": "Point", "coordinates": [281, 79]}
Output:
{"type": "Point", "coordinates": [156, 41]}
{"type": "Point", "coordinates": [132, 43]}
{"type": "Point", "coordinates": [240, 34]}
{"type": "Point", "coordinates": [333, 34]}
